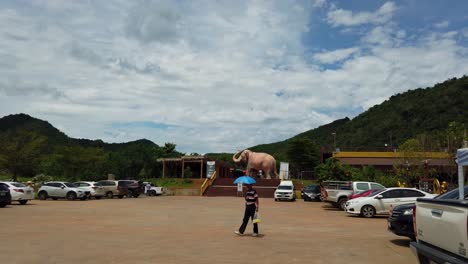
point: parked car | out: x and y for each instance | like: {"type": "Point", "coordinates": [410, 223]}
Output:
{"type": "Point", "coordinates": [364, 193]}
{"type": "Point", "coordinates": [155, 190]}
{"type": "Point", "coordinates": [285, 191]}
{"type": "Point", "coordinates": [61, 190]}
{"type": "Point", "coordinates": [400, 221]}
{"type": "Point", "coordinates": [311, 193]}
{"type": "Point", "coordinates": [65, 190]}
{"type": "Point", "coordinates": [135, 188]}
{"type": "Point", "coordinates": [87, 186]}
{"type": "Point", "coordinates": [380, 202]}
{"type": "Point", "coordinates": [110, 189]}
{"type": "Point", "coordinates": [5, 197]}
{"type": "Point", "coordinates": [338, 192]}
{"type": "Point", "coordinates": [19, 192]}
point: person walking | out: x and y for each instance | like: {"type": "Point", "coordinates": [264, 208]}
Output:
{"type": "Point", "coordinates": [251, 207]}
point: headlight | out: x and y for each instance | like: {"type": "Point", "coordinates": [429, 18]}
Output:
{"type": "Point", "coordinates": [408, 211]}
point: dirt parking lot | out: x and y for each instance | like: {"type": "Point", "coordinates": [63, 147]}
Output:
{"type": "Point", "coordinates": [176, 229]}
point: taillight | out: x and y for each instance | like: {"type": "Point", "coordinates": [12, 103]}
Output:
{"type": "Point", "coordinates": [19, 190]}
{"type": "Point", "coordinates": [414, 222]}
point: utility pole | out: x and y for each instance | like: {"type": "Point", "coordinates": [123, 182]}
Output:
{"type": "Point", "coordinates": [334, 141]}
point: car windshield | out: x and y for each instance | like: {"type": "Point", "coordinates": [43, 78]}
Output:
{"type": "Point", "coordinates": [284, 187]}
{"type": "Point", "coordinates": [377, 192]}
{"type": "Point", "coordinates": [311, 188]}
{"type": "Point", "coordinates": [372, 192]}
{"type": "Point", "coordinates": [17, 184]}
{"type": "Point", "coordinates": [70, 185]}
{"type": "Point", "coordinates": [453, 194]}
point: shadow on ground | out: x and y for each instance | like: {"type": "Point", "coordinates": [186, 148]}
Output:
{"type": "Point", "coordinates": [401, 242]}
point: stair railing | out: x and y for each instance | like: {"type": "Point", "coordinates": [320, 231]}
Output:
{"type": "Point", "coordinates": [207, 182]}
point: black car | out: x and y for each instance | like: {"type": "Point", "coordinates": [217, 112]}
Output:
{"type": "Point", "coordinates": [135, 188]}
{"type": "Point", "coordinates": [311, 193]}
{"type": "Point", "coordinates": [400, 221]}
{"type": "Point", "coordinates": [5, 196]}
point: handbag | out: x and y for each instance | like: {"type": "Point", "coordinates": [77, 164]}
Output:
{"type": "Point", "coordinates": [256, 218]}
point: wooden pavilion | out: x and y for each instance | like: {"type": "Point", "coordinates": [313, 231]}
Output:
{"type": "Point", "coordinates": [175, 167]}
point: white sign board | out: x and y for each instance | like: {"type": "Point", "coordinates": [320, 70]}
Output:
{"type": "Point", "coordinates": [210, 168]}
{"type": "Point", "coordinates": [239, 187]}
{"type": "Point", "coordinates": [284, 171]}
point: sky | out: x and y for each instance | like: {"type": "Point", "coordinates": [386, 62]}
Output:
{"type": "Point", "coordinates": [219, 76]}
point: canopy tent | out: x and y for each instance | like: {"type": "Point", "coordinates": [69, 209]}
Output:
{"type": "Point", "coordinates": [462, 160]}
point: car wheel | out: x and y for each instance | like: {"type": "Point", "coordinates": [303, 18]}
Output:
{"type": "Point", "coordinates": [54, 198]}
{"type": "Point", "coordinates": [3, 205]}
{"type": "Point", "coordinates": [129, 194]}
{"type": "Point", "coordinates": [23, 202]}
{"type": "Point", "coordinates": [120, 196]}
{"type": "Point", "coordinates": [153, 193]}
{"type": "Point", "coordinates": [368, 211]}
{"type": "Point", "coordinates": [136, 195]}
{"type": "Point", "coordinates": [109, 195]}
{"type": "Point", "coordinates": [276, 200]}
{"type": "Point", "coordinates": [42, 195]}
{"type": "Point", "coordinates": [342, 203]}
{"type": "Point", "coordinates": [71, 196]}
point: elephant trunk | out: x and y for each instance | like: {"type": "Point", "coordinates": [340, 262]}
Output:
{"type": "Point", "coordinates": [237, 160]}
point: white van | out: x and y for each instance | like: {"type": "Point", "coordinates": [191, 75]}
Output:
{"type": "Point", "coordinates": [285, 191]}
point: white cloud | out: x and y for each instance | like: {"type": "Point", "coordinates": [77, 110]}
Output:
{"type": "Point", "coordinates": [330, 57]}
{"type": "Point", "coordinates": [442, 24]}
{"type": "Point", "coordinates": [221, 75]}
{"type": "Point", "coordinates": [341, 17]}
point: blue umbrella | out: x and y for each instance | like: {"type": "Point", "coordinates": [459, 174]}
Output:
{"type": "Point", "coordinates": [245, 180]}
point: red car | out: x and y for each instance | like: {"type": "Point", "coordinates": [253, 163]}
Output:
{"type": "Point", "coordinates": [364, 193]}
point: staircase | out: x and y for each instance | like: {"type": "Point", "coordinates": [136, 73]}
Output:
{"type": "Point", "coordinates": [225, 187]}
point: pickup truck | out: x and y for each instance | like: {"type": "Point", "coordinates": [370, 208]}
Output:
{"type": "Point", "coordinates": [155, 190]}
{"type": "Point", "coordinates": [338, 192]}
{"type": "Point", "coordinates": [441, 231]}
{"type": "Point", "coordinates": [441, 225]}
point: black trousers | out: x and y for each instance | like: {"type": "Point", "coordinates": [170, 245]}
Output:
{"type": "Point", "coordinates": [249, 213]}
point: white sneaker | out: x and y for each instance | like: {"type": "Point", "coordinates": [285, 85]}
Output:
{"type": "Point", "coordinates": [255, 234]}
{"type": "Point", "coordinates": [238, 233]}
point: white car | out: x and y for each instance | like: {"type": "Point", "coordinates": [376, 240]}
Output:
{"type": "Point", "coordinates": [19, 192]}
{"type": "Point", "coordinates": [87, 186]}
{"type": "Point", "coordinates": [285, 191]}
{"type": "Point", "coordinates": [56, 190]}
{"type": "Point", "coordinates": [381, 202]}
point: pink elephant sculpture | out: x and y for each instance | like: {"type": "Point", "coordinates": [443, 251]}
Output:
{"type": "Point", "coordinates": [258, 161]}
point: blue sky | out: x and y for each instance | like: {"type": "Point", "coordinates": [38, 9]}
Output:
{"type": "Point", "coordinates": [214, 76]}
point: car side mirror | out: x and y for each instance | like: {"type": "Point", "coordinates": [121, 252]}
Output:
{"type": "Point", "coordinates": [379, 197]}
{"type": "Point", "coordinates": [63, 187]}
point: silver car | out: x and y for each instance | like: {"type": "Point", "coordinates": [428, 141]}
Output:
{"type": "Point", "coordinates": [62, 190]}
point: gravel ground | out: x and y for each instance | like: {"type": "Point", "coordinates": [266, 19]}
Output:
{"type": "Point", "coordinates": [184, 229]}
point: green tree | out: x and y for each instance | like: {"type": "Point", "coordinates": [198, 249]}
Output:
{"type": "Point", "coordinates": [411, 164]}
{"type": "Point", "coordinates": [303, 154]}
{"type": "Point", "coordinates": [20, 152]}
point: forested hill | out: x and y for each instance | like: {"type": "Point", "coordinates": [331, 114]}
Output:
{"type": "Point", "coordinates": [12, 123]}
{"type": "Point", "coordinates": [423, 111]}
{"type": "Point", "coordinates": [30, 146]}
